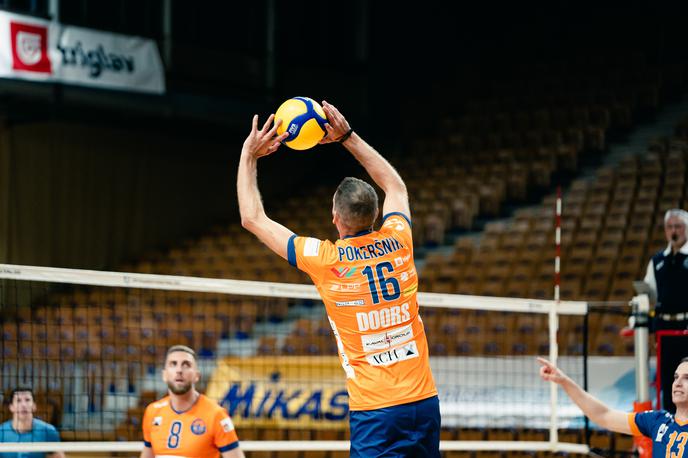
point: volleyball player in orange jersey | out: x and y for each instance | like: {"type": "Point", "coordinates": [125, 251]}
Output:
{"type": "Point", "coordinates": [186, 423]}
{"type": "Point", "coordinates": [368, 282]}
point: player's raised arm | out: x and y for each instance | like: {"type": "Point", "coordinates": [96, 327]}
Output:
{"type": "Point", "coordinates": [147, 452]}
{"type": "Point", "coordinates": [593, 408]}
{"type": "Point", "coordinates": [379, 169]}
{"type": "Point", "coordinates": [260, 142]}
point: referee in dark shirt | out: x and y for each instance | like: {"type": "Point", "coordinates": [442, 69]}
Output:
{"type": "Point", "coordinates": [667, 276]}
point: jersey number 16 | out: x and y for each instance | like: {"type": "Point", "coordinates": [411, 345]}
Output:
{"type": "Point", "coordinates": [384, 283]}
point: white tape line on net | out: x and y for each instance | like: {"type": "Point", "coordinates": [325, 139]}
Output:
{"type": "Point", "coordinates": [268, 289]}
{"type": "Point", "coordinates": [83, 447]}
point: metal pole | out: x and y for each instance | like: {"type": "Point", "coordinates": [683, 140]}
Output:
{"type": "Point", "coordinates": [54, 10]}
{"type": "Point", "coordinates": [167, 33]}
{"type": "Point", "coordinates": [586, 324]}
{"type": "Point", "coordinates": [641, 310]}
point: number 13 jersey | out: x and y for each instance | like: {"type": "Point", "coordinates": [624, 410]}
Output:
{"type": "Point", "coordinates": [368, 283]}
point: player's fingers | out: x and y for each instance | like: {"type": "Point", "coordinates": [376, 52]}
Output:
{"type": "Point", "coordinates": [331, 111]}
{"type": "Point", "coordinates": [276, 125]}
{"type": "Point", "coordinates": [274, 147]}
{"type": "Point", "coordinates": [329, 136]}
{"type": "Point", "coordinates": [266, 126]}
{"type": "Point", "coordinates": [546, 374]}
{"type": "Point", "coordinates": [335, 112]}
{"type": "Point", "coordinates": [544, 362]}
{"type": "Point", "coordinates": [254, 123]}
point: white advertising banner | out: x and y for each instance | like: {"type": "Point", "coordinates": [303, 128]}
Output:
{"type": "Point", "coordinates": [40, 50]}
{"type": "Point", "coordinates": [508, 392]}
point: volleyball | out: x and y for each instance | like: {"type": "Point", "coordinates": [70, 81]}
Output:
{"type": "Point", "coordinates": [304, 119]}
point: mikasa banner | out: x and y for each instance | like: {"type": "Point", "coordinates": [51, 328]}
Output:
{"type": "Point", "coordinates": [39, 50]}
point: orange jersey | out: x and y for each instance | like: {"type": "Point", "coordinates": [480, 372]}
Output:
{"type": "Point", "coordinates": [203, 431]}
{"type": "Point", "coordinates": [368, 283]}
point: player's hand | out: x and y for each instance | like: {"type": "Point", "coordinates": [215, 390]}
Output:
{"type": "Point", "coordinates": [265, 141]}
{"type": "Point", "coordinates": [336, 125]}
{"type": "Point", "coordinates": [550, 373]}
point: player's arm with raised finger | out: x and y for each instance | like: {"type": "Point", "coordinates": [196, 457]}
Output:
{"type": "Point", "coordinates": [593, 408]}
{"type": "Point", "coordinates": [260, 142]}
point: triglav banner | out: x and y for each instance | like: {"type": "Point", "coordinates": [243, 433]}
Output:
{"type": "Point", "coordinates": [41, 50]}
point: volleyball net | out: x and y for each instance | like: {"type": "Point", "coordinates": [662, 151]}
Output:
{"type": "Point", "coordinates": [91, 346]}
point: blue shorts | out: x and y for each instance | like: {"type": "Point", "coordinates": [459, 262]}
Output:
{"type": "Point", "coordinates": [407, 430]}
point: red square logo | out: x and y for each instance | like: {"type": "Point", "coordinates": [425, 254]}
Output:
{"type": "Point", "coordinates": [29, 47]}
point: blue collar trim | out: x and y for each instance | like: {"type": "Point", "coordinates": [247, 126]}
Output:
{"type": "Point", "coordinates": [358, 234]}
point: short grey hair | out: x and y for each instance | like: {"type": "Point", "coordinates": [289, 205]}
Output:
{"type": "Point", "coordinates": [355, 201]}
{"type": "Point", "coordinates": [679, 213]}
{"type": "Point", "coordinates": [183, 348]}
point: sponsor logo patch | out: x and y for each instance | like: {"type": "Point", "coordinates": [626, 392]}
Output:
{"type": "Point", "coordinates": [311, 247]}
{"type": "Point", "coordinates": [157, 421]}
{"type": "Point", "coordinates": [29, 47]}
{"type": "Point", "coordinates": [198, 427]}
{"type": "Point", "coordinates": [345, 286]}
{"type": "Point", "coordinates": [227, 425]}
{"type": "Point", "coordinates": [343, 272]}
{"type": "Point", "coordinates": [395, 221]}
{"type": "Point", "coordinates": [661, 432]}
{"type": "Point", "coordinates": [350, 303]}
{"type": "Point", "coordinates": [394, 355]}
{"type": "Point", "coordinates": [387, 339]}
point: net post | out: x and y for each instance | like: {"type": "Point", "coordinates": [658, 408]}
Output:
{"type": "Point", "coordinates": [586, 327]}
{"type": "Point", "coordinates": [554, 322]}
{"type": "Point", "coordinates": [641, 309]}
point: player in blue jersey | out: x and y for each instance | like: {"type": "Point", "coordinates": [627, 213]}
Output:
{"type": "Point", "coordinates": [669, 433]}
{"type": "Point", "coordinates": [23, 427]}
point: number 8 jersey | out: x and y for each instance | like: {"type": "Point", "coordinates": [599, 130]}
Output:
{"type": "Point", "coordinates": [203, 431]}
{"type": "Point", "coordinates": [368, 283]}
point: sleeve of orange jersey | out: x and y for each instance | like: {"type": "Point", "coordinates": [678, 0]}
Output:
{"type": "Point", "coordinates": [398, 225]}
{"type": "Point", "coordinates": [308, 254]}
{"type": "Point", "coordinates": [226, 438]}
{"type": "Point", "coordinates": [146, 425]}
